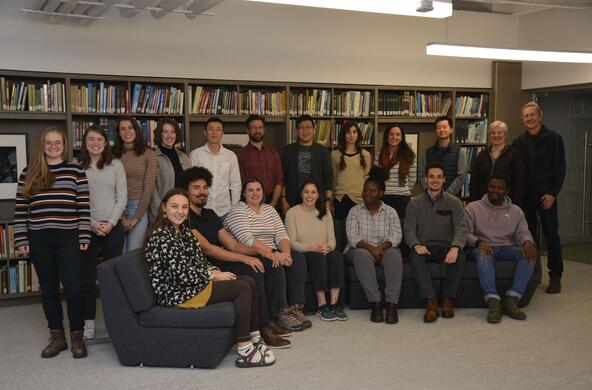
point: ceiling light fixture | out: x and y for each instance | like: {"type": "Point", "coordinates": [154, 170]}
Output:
{"type": "Point", "coordinates": [425, 8]}
{"type": "Point", "coordinates": [452, 50]}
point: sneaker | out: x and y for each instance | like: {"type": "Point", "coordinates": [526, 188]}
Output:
{"type": "Point", "coordinates": [339, 313]}
{"type": "Point", "coordinates": [253, 357]}
{"type": "Point", "coordinates": [288, 319]}
{"type": "Point", "coordinates": [89, 330]}
{"type": "Point", "coordinates": [299, 313]}
{"type": "Point", "coordinates": [325, 313]}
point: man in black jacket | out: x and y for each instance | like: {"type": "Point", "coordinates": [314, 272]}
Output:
{"type": "Point", "coordinates": [544, 161]}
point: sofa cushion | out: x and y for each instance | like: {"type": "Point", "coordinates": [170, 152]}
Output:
{"type": "Point", "coordinates": [134, 279]}
{"type": "Point", "coordinates": [218, 315]}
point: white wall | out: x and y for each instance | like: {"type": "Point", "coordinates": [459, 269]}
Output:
{"type": "Point", "coordinates": [251, 41]}
{"type": "Point", "coordinates": [556, 30]}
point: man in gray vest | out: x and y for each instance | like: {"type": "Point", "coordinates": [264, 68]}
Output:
{"type": "Point", "coordinates": [449, 155]}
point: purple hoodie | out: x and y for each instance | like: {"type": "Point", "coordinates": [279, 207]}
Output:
{"type": "Point", "coordinates": [496, 225]}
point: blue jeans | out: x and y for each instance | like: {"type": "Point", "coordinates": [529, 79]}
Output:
{"type": "Point", "coordinates": [134, 238]}
{"type": "Point", "coordinates": [486, 270]}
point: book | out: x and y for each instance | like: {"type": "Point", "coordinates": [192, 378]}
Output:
{"type": "Point", "coordinates": [33, 95]}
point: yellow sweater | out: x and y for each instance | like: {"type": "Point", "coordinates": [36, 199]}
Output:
{"type": "Point", "coordinates": [350, 181]}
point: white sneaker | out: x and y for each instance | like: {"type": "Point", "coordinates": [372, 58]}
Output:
{"type": "Point", "coordinates": [89, 330]}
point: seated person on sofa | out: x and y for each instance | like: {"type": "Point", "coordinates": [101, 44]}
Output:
{"type": "Point", "coordinates": [181, 276]}
{"type": "Point", "coordinates": [258, 225]}
{"type": "Point", "coordinates": [233, 257]}
{"type": "Point", "coordinates": [498, 231]}
{"type": "Point", "coordinates": [436, 231]}
{"type": "Point", "coordinates": [373, 234]}
{"type": "Point", "coordinates": [311, 232]}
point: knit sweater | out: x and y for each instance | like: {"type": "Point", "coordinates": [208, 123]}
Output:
{"type": "Point", "coordinates": [305, 228]}
{"type": "Point", "coordinates": [350, 181]}
{"type": "Point", "coordinates": [108, 192]}
{"type": "Point", "coordinates": [392, 185]}
{"type": "Point", "coordinates": [63, 206]}
{"type": "Point", "coordinates": [140, 172]}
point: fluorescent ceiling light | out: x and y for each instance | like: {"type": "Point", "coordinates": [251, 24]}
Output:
{"type": "Point", "coordinates": [441, 8]}
{"type": "Point", "coordinates": [450, 50]}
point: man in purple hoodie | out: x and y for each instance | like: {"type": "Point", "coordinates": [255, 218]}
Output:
{"type": "Point", "coordinates": [498, 231]}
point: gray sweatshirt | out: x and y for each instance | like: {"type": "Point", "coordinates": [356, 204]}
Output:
{"type": "Point", "coordinates": [440, 221]}
{"type": "Point", "coordinates": [496, 225]}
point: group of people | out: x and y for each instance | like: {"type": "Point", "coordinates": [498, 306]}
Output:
{"type": "Point", "coordinates": [209, 224]}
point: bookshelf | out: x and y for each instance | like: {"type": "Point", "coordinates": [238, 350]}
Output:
{"type": "Point", "coordinates": [17, 277]}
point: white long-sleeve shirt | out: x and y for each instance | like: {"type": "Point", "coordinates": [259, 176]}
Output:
{"type": "Point", "coordinates": [226, 183]}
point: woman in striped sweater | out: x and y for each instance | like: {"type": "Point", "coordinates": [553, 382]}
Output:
{"type": "Point", "coordinates": [139, 162]}
{"type": "Point", "coordinates": [52, 225]}
{"type": "Point", "coordinates": [398, 158]}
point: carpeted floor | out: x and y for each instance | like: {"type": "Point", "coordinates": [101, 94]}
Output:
{"type": "Point", "coordinates": [551, 350]}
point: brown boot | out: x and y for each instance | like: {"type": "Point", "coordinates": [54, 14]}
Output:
{"type": "Point", "coordinates": [376, 315]}
{"type": "Point", "coordinates": [447, 307]}
{"type": "Point", "coordinates": [273, 340]}
{"type": "Point", "coordinates": [57, 343]}
{"type": "Point", "coordinates": [78, 348]}
{"type": "Point", "coordinates": [392, 317]}
{"type": "Point", "coordinates": [554, 285]}
{"type": "Point", "coordinates": [431, 312]}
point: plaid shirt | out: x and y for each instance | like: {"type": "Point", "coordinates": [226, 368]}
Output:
{"type": "Point", "coordinates": [373, 229]}
{"type": "Point", "coordinates": [263, 164]}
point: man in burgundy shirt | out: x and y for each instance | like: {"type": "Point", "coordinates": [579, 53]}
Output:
{"type": "Point", "coordinates": [257, 160]}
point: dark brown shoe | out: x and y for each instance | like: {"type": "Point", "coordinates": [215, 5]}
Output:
{"type": "Point", "coordinates": [57, 343]}
{"type": "Point", "coordinates": [279, 330]}
{"type": "Point", "coordinates": [376, 315]}
{"type": "Point", "coordinates": [78, 348]}
{"type": "Point", "coordinates": [273, 340]}
{"type": "Point", "coordinates": [392, 317]}
{"type": "Point", "coordinates": [554, 285]}
{"type": "Point", "coordinates": [431, 312]}
{"type": "Point", "coordinates": [447, 307]}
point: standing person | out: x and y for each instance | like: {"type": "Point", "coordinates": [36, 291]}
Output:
{"type": "Point", "coordinates": [351, 164]}
{"type": "Point", "coordinates": [52, 225]}
{"type": "Point", "coordinates": [399, 159]}
{"type": "Point", "coordinates": [498, 158]}
{"type": "Point", "coordinates": [449, 155]}
{"type": "Point", "coordinates": [544, 160]}
{"type": "Point", "coordinates": [373, 234]}
{"type": "Point", "coordinates": [259, 226]}
{"type": "Point", "coordinates": [257, 160]}
{"type": "Point", "coordinates": [311, 233]}
{"type": "Point", "coordinates": [306, 160]}
{"type": "Point", "coordinates": [436, 231]}
{"type": "Point", "coordinates": [139, 162]}
{"type": "Point", "coordinates": [108, 198]}
{"type": "Point", "coordinates": [226, 187]}
{"type": "Point", "coordinates": [181, 276]}
{"type": "Point", "coordinates": [171, 162]}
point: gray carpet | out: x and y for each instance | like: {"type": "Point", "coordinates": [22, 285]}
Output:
{"type": "Point", "coordinates": [551, 350]}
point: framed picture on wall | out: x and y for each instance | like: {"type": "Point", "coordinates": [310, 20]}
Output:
{"type": "Point", "coordinates": [413, 141]}
{"type": "Point", "coordinates": [13, 159]}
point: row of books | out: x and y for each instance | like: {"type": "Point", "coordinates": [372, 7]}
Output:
{"type": "Point", "coordinates": [18, 277]}
{"type": "Point", "coordinates": [7, 241]}
{"type": "Point", "coordinates": [418, 104]}
{"type": "Point", "coordinates": [353, 103]}
{"type": "Point", "coordinates": [99, 98]}
{"type": "Point", "coordinates": [316, 102]}
{"type": "Point", "coordinates": [471, 132]}
{"type": "Point", "coordinates": [216, 101]}
{"type": "Point", "coordinates": [156, 99]}
{"type": "Point", "coordinates": [322, 135]}
{"type": "Point", "coordinates": [367, 129]}
{"type": "Point", "coordinates": [262, 102]}
{"type": "Point", "coordinates": [471, 106]}
{"type": "Point", "coordinates": [33, 96]}
{"type": "Point", "coordinates": [471, 152]}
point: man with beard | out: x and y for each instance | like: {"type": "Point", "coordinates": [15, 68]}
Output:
{"type": "Point", "coordinates": [255, 160]}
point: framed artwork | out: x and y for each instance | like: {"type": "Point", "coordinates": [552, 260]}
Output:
{"type": "Point", "coordinates": [13, 159]}
{"type": "Point", "coordinates": [413, 141]}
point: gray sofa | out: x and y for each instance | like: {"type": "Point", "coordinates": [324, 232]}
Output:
{"type": "Point", "coordinates": [143, 332]}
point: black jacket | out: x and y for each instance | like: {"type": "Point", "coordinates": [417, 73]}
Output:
{"type": "Point", "coordinates": [545, 169]}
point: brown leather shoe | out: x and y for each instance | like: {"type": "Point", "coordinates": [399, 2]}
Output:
{"type": "Point", "coordinates": [279, 330]}
{"type": "Point", "coordinates": [447, 307]}
{"type": "Point", "coordinates": [431, 312]}
{"type": "Point", "coordinates": [392, 317]}
{"type": "Point", "coordinates": [78, 348]}
{"type": "Point", "coordinates": [554, 285]}
{"type": "Point", "coordinates": [376, 315]}
{"type": "Point", "coordinates": [57, 343]}
{"type": "Point", "coordinates": [273, 340]}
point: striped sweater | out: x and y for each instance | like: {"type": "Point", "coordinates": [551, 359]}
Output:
{"type": "Point", "coordinates": [393, 187]}
{"type": "Point", "coordinates": [63, 206]}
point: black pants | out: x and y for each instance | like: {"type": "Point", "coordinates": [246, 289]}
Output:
{"type": "Point", "coordinates": [56, 256]}
{"type": "Point", "coordinates": [296, 278]}
{"type": "Point", "coordinates": [243, 294]}
{"type": "Point", "coordinates": [108, 247]}
{"type": "Point", "coordinates": [341, 207]}
{"type": "Point", "coordinates": [454, 272]}
{"type": "Point", "coordinates": [398, 202]}
{"type": "Point", "coordinates": [550, 225]}
{"type": "Point", "coordinates": [326, 270]}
